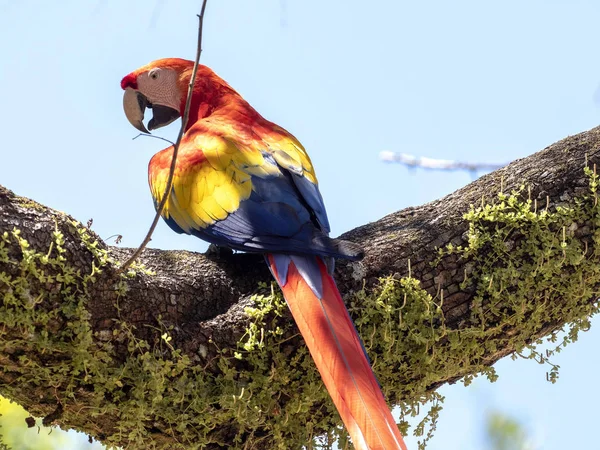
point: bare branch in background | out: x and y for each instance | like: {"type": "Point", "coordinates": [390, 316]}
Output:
{"type": "Point", "coordinates": [436, 164]}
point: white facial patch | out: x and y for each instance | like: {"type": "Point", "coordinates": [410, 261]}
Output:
{"type": "Point", "coordinates": [160, 86]}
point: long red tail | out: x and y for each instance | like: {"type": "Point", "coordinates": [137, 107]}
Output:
{"type": "Point", "coordinates": [336, 348]}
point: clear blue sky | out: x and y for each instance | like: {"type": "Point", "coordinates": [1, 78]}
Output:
{"type": "Point", "coordinates": [470, 80]}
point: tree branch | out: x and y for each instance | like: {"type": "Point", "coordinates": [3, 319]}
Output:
{"type": "Point", "coordinates": [196, 304]}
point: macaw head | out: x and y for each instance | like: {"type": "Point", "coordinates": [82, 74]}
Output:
{"type": "Point", "coordinates": [160, 86]}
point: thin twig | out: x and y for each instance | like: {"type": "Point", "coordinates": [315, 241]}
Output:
{"type": "Point", "coordinates": [153, 136]}
{"type": "Point", "coordinates": [184, 120]}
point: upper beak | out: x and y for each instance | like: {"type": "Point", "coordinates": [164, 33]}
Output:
{"type": "Point", "coordinates": [134, 105]}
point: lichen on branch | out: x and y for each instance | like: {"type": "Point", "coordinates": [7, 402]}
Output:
{"type": "Point", "coordinates": [188, 350]}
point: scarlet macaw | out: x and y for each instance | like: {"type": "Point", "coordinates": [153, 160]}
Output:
{"type": "Point", "coordinates": [245, 183]}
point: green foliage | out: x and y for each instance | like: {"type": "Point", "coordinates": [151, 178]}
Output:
{"type": "Point", "coordinates": [505, 433]}
{"type": "Point", "coordinates": [527, 266]}
{"type": "Point", "coordinates": [531, 268]}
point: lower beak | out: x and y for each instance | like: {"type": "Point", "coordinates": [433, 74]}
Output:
{"type": "Point", "coordinates": [135, 104]}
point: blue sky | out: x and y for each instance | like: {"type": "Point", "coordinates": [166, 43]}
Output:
{"type": "Point", "coordinates": [469, 80]}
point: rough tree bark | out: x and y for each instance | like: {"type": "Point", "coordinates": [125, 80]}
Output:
{"type": "Point", "coordinates": [204, 296]}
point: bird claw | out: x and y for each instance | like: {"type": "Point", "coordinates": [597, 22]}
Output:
{"type": "Point", "coordinates": [218, 251]}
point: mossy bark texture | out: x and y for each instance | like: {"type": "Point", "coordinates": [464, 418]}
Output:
{"type": "Point", "coordinates": [189, 350]}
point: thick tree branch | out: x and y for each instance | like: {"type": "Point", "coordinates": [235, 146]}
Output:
{"type": "Point", "coordinates": [203, 297]}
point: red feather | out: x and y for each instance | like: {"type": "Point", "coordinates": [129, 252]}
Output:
{"type": "Point", "coordinates": [337, 351]}
{"type": "Point", "coordinates": [129, 81]}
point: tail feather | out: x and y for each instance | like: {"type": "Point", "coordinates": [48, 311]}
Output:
{"type": "Point", "coordinates": [337, 350]}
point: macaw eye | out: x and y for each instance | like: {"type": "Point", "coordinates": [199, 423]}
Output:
{"type": "Point", "coordinates": [154, 73]}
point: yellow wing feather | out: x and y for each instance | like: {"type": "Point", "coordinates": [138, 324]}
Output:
{"type": "Point", "coordinates": [204, 189]}
{"type": "Point", "coordinates": [290, 154]}
{"type": "Point", "coordinates": [214, 174]}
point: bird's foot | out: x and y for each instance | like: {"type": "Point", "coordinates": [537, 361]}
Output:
{"type": "Point", "coordinates": [217, 251]}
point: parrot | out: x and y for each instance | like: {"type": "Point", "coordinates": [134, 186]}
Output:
{"type": "Point", "coordinates": [245, 183]}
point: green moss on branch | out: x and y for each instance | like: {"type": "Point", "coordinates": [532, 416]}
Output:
{"type": "Point", "coordinates": [520, 259]}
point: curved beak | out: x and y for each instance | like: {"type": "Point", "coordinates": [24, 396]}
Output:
{"type": "Point", "coordinates": [135, 104]}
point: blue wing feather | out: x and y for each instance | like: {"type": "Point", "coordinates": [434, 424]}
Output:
{"type": "Point", "coordinates": [312, 196]}
{"type": "Point", "coordinates": [285, 213]}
